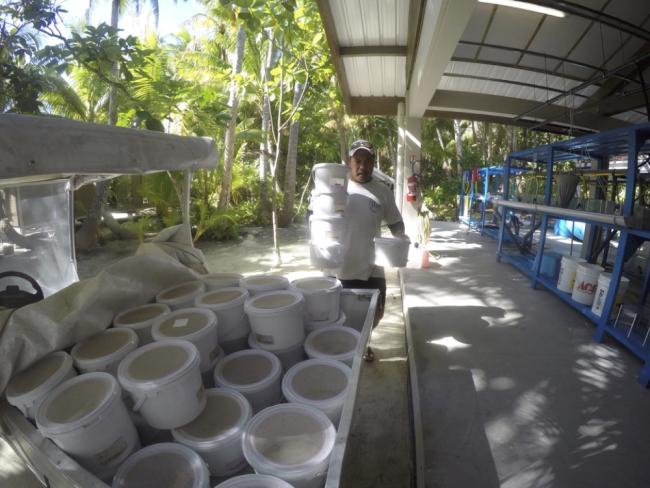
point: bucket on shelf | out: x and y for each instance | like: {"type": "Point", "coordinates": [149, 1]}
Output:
{"type": "Point", "coordinates": [391, 252]}
{"type": "Point", "coordinates": [164, 381]}
{"type": "Point", "coordinates": [196, 325]}
{"type": "Point", "coordinates": [254, 481]}
{"type": "Point", "coordinates": [330, 177]}
{"type": "Point", "coordinates": [327, 255]}
{"type": "Point", "coordinates": [333, 342]}
{"type": "Point", "coordinates": [322, 297]}
{"type": "Point", "coordinates": [311, 326]}
{"type": "Point", "coordinates": [276, 319]}
{"type": "Point", "coordinates": [104, 351]}
{"type": "Point", "coordinates": [216, 434]}
{"type": "Point", "coordinates": [320, 383]}
{"type": "Point", "coordinates": [326, 204]}
{"type": "Point", "coordinates": [550, 266]}
{"type": "Point", "coordinates": [215, 281]}
{"type": "Point", "coordinates": [28, 388]}
{"type": "Point", "coordinates": [604, 280]}
{"type": "Point", "coordinates": [86, 418]}
{"type": "Point", "coordinates": [586, 282]}
{"type": "Point", "coordinates": [254, 373]}
{"type": "Point", "coordinates": [324, 230]}
{"type": "Point", "coordinates": [258, 284]}
{"type": "Point", "coordinates": [290, 441]}
{"type": "Point", "coordinates": [164, 464]}
{"type": "Point", "coordinates": [181, 295]}
{"type": "Point", "coordinates": [567, 275]}
{"type": "Point", "coordinates": [288, 357]}
{"type": "Point", "coordinates": [140, 319]}
{"type": "Point", "coordinates": [228, 305]}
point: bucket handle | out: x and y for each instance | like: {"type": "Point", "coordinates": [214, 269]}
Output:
{"type": "Point", "coordinates": [138, 405]}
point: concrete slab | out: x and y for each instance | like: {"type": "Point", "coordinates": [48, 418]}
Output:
{"type": "Point", "coordinates": [512, 390]}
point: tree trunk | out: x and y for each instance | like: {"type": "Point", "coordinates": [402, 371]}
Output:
{"type": "Point", "coordinates": [115, 69]}
{"type": "Point", "coordinates": [446, 164]}
{"type": "Point", "coordinates": [265, 145]}
{"type": "Point", "coordinates": [290, 167]}
{"type": "Point", "coordinates": [343, 133]}
{"type": "Point", "coordinates": [488, 143]}
{"type": "Point", "coordinates": [233, 103]}
{"type": "Point", "coordinates": [513, 139]}
{"type": "Point", "coordinates": [458, 138]}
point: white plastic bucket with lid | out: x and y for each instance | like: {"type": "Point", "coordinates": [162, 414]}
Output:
{"type": "Point", "coordinates": [288, 357]}
{"type": "Point", "coordinates": [86, 418]}
{"type": "Point", "coordinates": [586, 282]}
{"type": "Point", "coordinates": [327, 204]}
{"type": "Point", "coordinates": [181, 295]}
{"type": "Point", "coordinates": [254, 373]}
{"type": "Point", "coordinates": [327, 255]}
{"type": "Point", "coordinates": [28, 388]}
{"type": "Point", "coordinates": [604, 280]}
{"type": "Point", "coordinates": [277, 319]}
{"type": "Point", "coordinates": [391, 252]}
{"type": "Point", "coordinates": [322, 297]}
{"type": "Point", "coordinates": [164, 381]}
{"type": "Point", "coordinates": [291, 441]}
{"type": "Point", "coordinates": [215, 281]}
{"type": "Point", "coordinates": [567, 275]}
{"type": "Point", "coordinates": [320, 383]}
{"type": "Point", "coordinates": [207, 376]}
{"type": "Point", "coordinates": [140, 319]}
{"type": "Point", "coordinates": [216, 434]}
{"type": "Point", "coordinates": [235, 345]}
{"type": "Point", "coordinates": [311, 326]}
{"type": "Point", "coordinates": [196, 325]}
{"type": "Point", "coordinates": [330, 177]}
{"type": "Point", "coordinates": [324, 230]}
{"type": "Point", "coordinates": [333, 342]}
{"type": "Point", "coordinates": [166, 464]}
{"type": "Point", "coordinates": [228, 305]}
{"type": "Point", "coordinates": [254, 481]}
{"type": "Point", "coordinates": [263, 283]}
{"type": "Point", "coordinates": [104, 351]}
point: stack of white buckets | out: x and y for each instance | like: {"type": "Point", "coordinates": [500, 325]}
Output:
{"type": "Point", "coordinates": [327, 222]}
{"type": "Point", "coordinates": [588, 283]}
{"type": "Point", "coordinates": [150, 381]}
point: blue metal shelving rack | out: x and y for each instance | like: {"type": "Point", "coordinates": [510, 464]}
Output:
{"type": "Point", "coordinates": [633, 142]}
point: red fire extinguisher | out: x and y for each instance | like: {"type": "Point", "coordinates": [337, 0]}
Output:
{"type": "Point", "coordinates": [412, 182]}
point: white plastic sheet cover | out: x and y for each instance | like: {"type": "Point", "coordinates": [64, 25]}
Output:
{"type": "Point", "coordinates": [176, 241]}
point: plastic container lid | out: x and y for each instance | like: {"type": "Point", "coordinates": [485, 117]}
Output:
{"type": "Point", "coordinates": [76, 403]}
{"type": "Point", "coordinates": [273, 302]}
{"type": "Point", "coordinates": [254, 481]}
{"type": "Point", "coordinates": [214, 281]}
{"type": "Point", "coordinates": [141, 316]}
{"type": "Point", "coordinates": [109, 346]}
{"type": "Point", "coordinates": [167, 464]}
{"type": "Point", "coordinates": [321, 383]}
{"type": "Point", "coordinates": [333, 342]}
{"type": "Point", "coordinates": [261, 283]}
{"type": "Point", "coordinates": [289, 440]}
{"type": "Point", "coordinates": [225, 415]}
{"type": "Point", "coordinates": [248, 370]}
{"type": "Point", "coordinates": [183, 292]}
{"type": "Point", "coordinates": [39, 378]}
{"type": "Point", "coordinates": [316, 285]}
{"type": "Point", "coordinates": [222, 298]}
{"type": "Point", "coordinates": [607, 277]}
{"type": "Point", "coordinates": [187, 323]}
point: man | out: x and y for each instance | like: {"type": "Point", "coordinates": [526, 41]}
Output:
{"type": "Point", "coordinates": [369, 203]}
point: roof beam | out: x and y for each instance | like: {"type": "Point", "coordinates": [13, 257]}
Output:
{"type": "Point", "coordinates": [519, 67]}
{"type": "Point", "coordinates": [416, 15]}
{"type": "Point", "coordinates": [374, 105]}
{"type": "Point", "coordinates": [372, 51]}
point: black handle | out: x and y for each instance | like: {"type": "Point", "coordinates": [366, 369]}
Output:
{"type": "Point", "coordinates": [26, 277]}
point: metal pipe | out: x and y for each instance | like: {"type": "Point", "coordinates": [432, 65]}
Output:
{"type": "Point", "coordinates": [606, 219]}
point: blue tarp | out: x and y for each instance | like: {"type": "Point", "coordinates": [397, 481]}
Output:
{"type": "Point", "coordinates": [564, 228]}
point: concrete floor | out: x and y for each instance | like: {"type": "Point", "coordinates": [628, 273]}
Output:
{"type": "Point", "coordinates": [513, 392]}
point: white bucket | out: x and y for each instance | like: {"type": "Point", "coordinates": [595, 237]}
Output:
{"type": "Point", "coordinates": [166, 464]}
{"type": "Point", "coordinates": [586, 282]}
{"type": "Point", "coordinates": [254, 481]}
{"type": "Point", "coordinates": [140, 319]}
{"type": "Point", "coordinates": [277, 319]}
{"type": "Point", "coordinates": [319, 383]}
{"type": "Point", "coordinates": [567, 276]}
{"type": "Point", "coordinates": [182, 295]}
{"type": "Point", "coordinates": [147, 434]}
{"type": "Point", "coordinates": [288, 357]}
{"type": "Point", "coordinates": [330, 177]}
{"type": "Point", "coordinates": [322, 297]}
{"type": "Point", "coordinates": [391, 252]}
{"type": "Point", "coordinates": [104, 351]}
{"type": "Point", "coordinates": [311, 326]}
{"type": "Point", "coordinates": [254, 373]}
{"type": "Point", "coordinates": [235, 345]}
{"type": "Point", "coordinates": [196, 325]}
{"type": "Point", "coordinates": [333, 342]}
{"type": "Point", "coordinates": [291, 441]}
{"type": "Point", "coordinates": [86, 418]}
{"type": "Point", "coordinates": [601, 292]}
{"type": "Point", "coordinates": [328, 204]}
{"type": "Point", "coordinates": [324, 230]}
{"type": "Point", "coordinates": [228, 305]}
{"type": "Point", "coordinates": [327, 255]}
{"type": "Point", "coordinates": [28, 388]}
{"type": "Point", "coordinates": [216, 434]}
{"type": "Point", "coordinates": [258, 284]}
{"type": "Point", "coordinates": [215, 281]}
{"type": "Point", "coordinates": [164, 381]}
{"type": "Point", "coordinates": [207, 376]}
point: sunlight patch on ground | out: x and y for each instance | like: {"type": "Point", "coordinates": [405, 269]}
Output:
{"type": "Point", "coordinates": [450, 342]}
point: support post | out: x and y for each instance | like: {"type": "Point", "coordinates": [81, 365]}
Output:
{"type": "Point", "coordinates": [548, 186]}
{"type": "Point", "coordinates": [409, 149]}
{"type": "Point", "coordinates": [502, 210]}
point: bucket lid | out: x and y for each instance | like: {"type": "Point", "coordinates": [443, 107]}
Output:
{"type": "Point", "coordinates": [225, 414]}
{"type": "Point", "coordinates": [273, 302]}
{"type": "Point", "coordinates": [254, 481]}
{"type": "Point", "coordinates": [156, 364]}
{"type": "Point", "coordinates": [163, 464]}
{"type": "Point", "coordinates": [590, 267]}
{"type": "Point", "coordinates": [316, 284]}
{"type": "Point", "coordinates": [37, 379]}
{"type": "Point", "coordinates": [317, 382]}
{"type": "Point", "coordinates": [289, 438]}
{"type": "Point", "coordinates": [222, 298]}
{"type": "Point", "coordinates": [76, 403]}
{"type": "Point", "coordinates": [607, 277]}
{"type": "Point", "coordinates": [222, 279]}
{"type": "Point", "coordinates": [180, 292]}
{"type": "Point", "coordinates": [264, 282]}
{"type": "Point", "coordinates": [106, 344]}
{"type": "Point", "coordinates": [140, 316]}
{"type": "Point", "coordinates": [335, 166]}
{"type": "Point", "coordinates": [248, 369]}
{"type": "Point", "coordinates": [333, 342]}
{"type": "Point", "coordinates": [186, 323]}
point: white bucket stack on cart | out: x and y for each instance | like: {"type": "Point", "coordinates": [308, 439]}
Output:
{"type": "Point", "coordinates": [181, 295]}
{"type": "Point", "coordinates": [263, 283]}
{"type": "Point", "coordinates": [215, 281]}
{"type": "Point", "coordinates": [333, 342]}
{"type": "Point", "coordinates": [104, 351]}
{"type": "Point", "coordinates": [140, 319]}
{"type": "Point", "coordinates": [228, 305]}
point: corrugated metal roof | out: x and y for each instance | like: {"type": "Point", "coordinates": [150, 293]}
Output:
{"type": "Point", "coordinates": [377, 76]}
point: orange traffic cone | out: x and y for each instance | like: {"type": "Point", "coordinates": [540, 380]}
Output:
{"type": "Point", "coordinates": [424, 262]}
